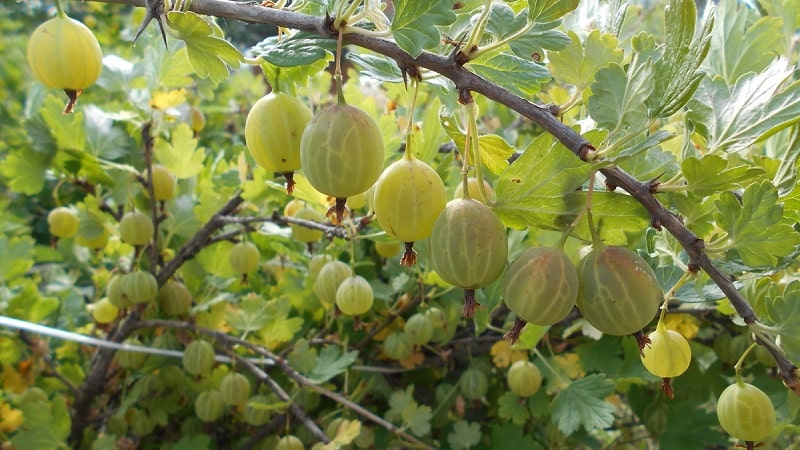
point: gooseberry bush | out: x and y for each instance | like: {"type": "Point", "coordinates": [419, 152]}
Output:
{"type": "Point", "coordinates": [324, 224]}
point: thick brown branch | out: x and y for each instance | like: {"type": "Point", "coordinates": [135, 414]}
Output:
{"type": "Point", "coordinates": [464, 79]}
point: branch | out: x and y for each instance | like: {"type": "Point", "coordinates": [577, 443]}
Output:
{"type": "Point", "coordinates": [466, 80]}
{"type": "Point", "coordinates": [231, 341]}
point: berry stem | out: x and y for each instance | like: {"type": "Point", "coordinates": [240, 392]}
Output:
{"type": "Point", "coordinates": [740, 362]}
{"type": "Point", "coordinates": [59, 9]}
{"type": "Point", "coordinates": [516, 330]}
{"type": "Point", "coordinates": [409, 153]}
{"type": "Point", "coordinates": [337, 74]}
{"type": "Point", "coordinates": [475, 149]}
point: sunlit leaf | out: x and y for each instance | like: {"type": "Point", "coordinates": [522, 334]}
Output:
{"type": "Point", "coordinates": [414, 24]}
{"type": "Point", "coordinates": [209, 54]}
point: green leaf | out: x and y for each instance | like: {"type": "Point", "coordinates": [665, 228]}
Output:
{"type": "Point", "coordinates": [414, 24]}
{"type": "Point", "coordinates": [250, 316]}
{"type": "Point", "coordinates": [521, 76]}
{"type": "Point", "coordinates": [624, 149]}
{"type": "Point", "coordinates": [302, 357]}
{"type": "Point", "coordinates": [299, 49]}
{"type": "Point", "coordinates": [784, 311]}
{"type": "Point", "coordinates": [465, 435]}
{"type": "Point", "coordinates": [549, 10]}
{"type": "Point", "coordinates": [403, 407]}
{"type": "Point", "coordinates": [581, 404]}
{"type": "Point", "coordinates": [615, 216]}
{"type": "Point", "coordinates": [531, 192]}
{"type": "Point", "coordinates": [507, 436]}
{"type": "Point", "coordinates": [711, 174]}
{"type": "Point", "coordinates": [541, 37]}
{"type": "Point", "coordinates": [29, 304]}
{"type": "Point", "coordinates": [677, 74]}
{"type": "Point", "coordinates": [17, 257]}
{"type": "Point", "coordinates": [46, 425]}
{"type": "Point", "coordinates": [87, 166]}
{"type": "Point", "coordinates": [379, 67]}
{"type": "Point", "coordinates": [417, 418]}
{"type": "Point", "coordinates": [618, 100]}
{"type": "Point", "coordinates": [194, 442]}
{"type": "Point", "coordinates": [510, 408]}
{"type": "Point", "coordinates": [743, 42]}
{"type": "Point", "coordinates": [755, 108]}
{"type": "Point", "coordinates": [280, 327]}
{"type": "Point", "coordinates": [495, 152]}
{"type": "Point", "coordinates": [181, 155]}
{"type": "Point", "coordinates": [578, 63]}
{"type": "Point", "coordinates": [754, 225]}
{"type": "Point", "coordinates": [67, 129]}
{"type": "Point", "coordinates": [25, 171]}
{"type": "Point", "coordinates": [209, 54]}
{"type": "Point", "coordinates": [331, 362]}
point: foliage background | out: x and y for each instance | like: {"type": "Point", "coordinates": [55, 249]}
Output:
{"type": "Point", "coordinates": [596, 393]}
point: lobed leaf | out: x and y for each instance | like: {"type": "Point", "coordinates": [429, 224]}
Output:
{"type": "Point", "coordinates": [677, 74]}
{"type": "Point", "coordinates": [581, 404]}
{"type": "Point", "coordinates": [733, 119]}
{"type": "Point", "coordinates": [577, 63]}
{"type": "Point", "coordinates": [209, 54]}
{"type": "Point", "coordinates": [754, 225]}
{"type": "Point", "coordinates": [414, 24]}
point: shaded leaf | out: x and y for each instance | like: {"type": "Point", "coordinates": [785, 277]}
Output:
{"type": "Point", "coordinates": [331, 362]}
{"type": "Point", "coordinates": [549, 10]}
{"type": "Point", "coordinates": [465, 435]}
{"type": "Point", "coordinates": [414, 24]}
{"type": "Point", "coordinates": [755, 108]}
{"type": "Point", "coordinates": [581, 404]}
{"type": "Point", "coordinates": [677, 73]}
{"type": "Point", "coordinates": [509, 407]}
{"type": "Point", "coordinates": [521, 76]}
{"type": "Point", "coordinates": [299, 49]}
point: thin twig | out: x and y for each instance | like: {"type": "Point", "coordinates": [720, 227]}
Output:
{"type": "Point", "coordinates": [288, 370]}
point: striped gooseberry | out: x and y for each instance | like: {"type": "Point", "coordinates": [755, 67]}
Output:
{"type": "Point", "coordinates": [745, 412]}
{"type": "Point", "coordinates": [209, 405]}
{"type": "Point", "coordinates": [273, 130]}
{"type": "Point", "coordinates": [524, 378]}
{"type": "Point", "coordinates": [354, 296]}
{"type": "Point", "coordinates": [473, 384]}
{"type": "Point", "coordinates": [163, 183]}
{"type": "Point", "coordinates": [139, 287]}
{"type": "Point", "coordinates": [174, 298]}
{"type": "Point", "coordinates": [409, 195]}
{"type": "Point", "coordinates": [468, 247]}
{"type": "Point", "coordinates": [618, 291]}
{"type": "Point", "coordinates": [419, 329]}
{"type": "Point", "coordinates": [235, 389]}
{"type": "Point", "coordinates": [198, 357]}
{"type": "Point", "coordinates": [64, 54]}
{"type": "Point", "coordinates": [330, 277]}
{"type": "Point", "coordinates": [136, 228]}
{"type": "Point", "coordinates": [289, 442]}
{"type": "Point", "coordinates": [541, 285]}
{"type": "Point", "coordinates": [341, 152]}
{"type": "Point", "coordinates": [244, 257]}
{"type": "Point", "coordinates": [63, 222]}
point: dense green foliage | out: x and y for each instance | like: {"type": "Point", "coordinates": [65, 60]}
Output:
{"type": "Point", "coordinates": [706, 104]}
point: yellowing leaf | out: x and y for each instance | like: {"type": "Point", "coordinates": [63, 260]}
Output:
{"type": "Point", "coordinates": [170, 99]}
{"type": "Point", "coordinates": [570, 363]}
{"type": "Point", "coordinates": [414, 359]}
{"type": "Point", "coordinates": [347, 432]}
{"type": "Point", "coordinates": [10, 419]}
{"type": "Point", "coordinates": [181, 155]}
{"type": "Point", "coordinates": [504, 355]}
{"type": "Point", "coordinates": [13, 381]}
{"type": "Point", "coordinates": [685, 324]}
